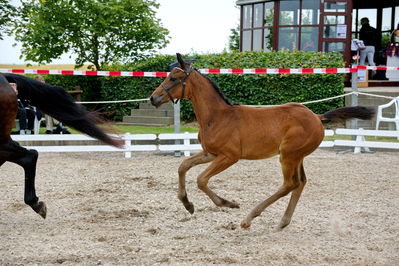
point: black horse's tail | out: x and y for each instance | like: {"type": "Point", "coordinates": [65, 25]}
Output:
{"type": "Point", "coordinates": [345, 113]}
{"type": "Point", "coordinates": [59, 104]}
{"type": "Point", "coordinates": [56, 102]}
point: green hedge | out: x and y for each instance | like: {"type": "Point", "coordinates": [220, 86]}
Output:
{"type": "Point", "coordinates": [244, 89]}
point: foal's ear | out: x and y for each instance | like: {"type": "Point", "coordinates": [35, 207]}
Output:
{"type": "Point", "coordinates": [181, 61]}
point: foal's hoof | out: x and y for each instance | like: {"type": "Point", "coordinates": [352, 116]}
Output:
{"type": "Point", "coordinates": [42, 209]}
{"type": "Point", "coordinates": [281, 226]}
{"type": "Point", "coordinates": [232, 204]}
{"type": "Point", "coordinates": [228, 204]}
{"type": "Point", "coordinates": [189, 207]}
{"type": "Point", "coordinates": [245, 224]}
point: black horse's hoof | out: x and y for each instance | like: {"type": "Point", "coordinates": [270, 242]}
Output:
{"type": "Point", "coordinates": [41, 209]}
{"type": "Point", "coordinates": [189, 207]}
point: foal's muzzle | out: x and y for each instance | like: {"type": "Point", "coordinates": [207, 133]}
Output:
{"type": "Point", "coordinates": [156, 100]}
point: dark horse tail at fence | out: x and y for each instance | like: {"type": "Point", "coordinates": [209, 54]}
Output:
{"type": "Point", "coordinates": [229, 133]}
{"type": "Point", "coordinates": [52, 100]}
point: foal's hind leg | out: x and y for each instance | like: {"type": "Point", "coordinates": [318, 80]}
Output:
{"type": "Point", "coordinates": [291, 182]}
{"type": "Point", "coordinates": [219, 164]}
{"type": "Point", "coordinates": [199, 158]}
{"type": "Point", "coordinates": [295, 195]}
{"type": "Point", "coordinates": [13, 152]}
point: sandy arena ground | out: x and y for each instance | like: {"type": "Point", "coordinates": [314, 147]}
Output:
{"type": "Point", "coordinates": [105, 209]}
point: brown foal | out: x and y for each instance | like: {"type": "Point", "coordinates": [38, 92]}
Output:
{"type": "Point", "coordinates": [229, 133]}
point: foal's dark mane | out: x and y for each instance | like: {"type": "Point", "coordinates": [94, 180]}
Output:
{"type": "Point", "coordinates": [217, 89]}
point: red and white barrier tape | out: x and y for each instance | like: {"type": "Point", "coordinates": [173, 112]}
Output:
{"type": "Point", "coordinates": [377, 68]}
{"type": "Point", "coordinates": [164, 74]}
{"type": "Point", "coordinates": [85, 72]}
{"type": "Point", "coordinates": [279, 71]}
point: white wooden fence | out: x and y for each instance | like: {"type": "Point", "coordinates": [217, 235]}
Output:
{"type": "Point", "coordinates": [360, 142]}
{"type": "Point", "coordinates": [127, 149]}
{"type": "Point", "coordinates": [188, 140]}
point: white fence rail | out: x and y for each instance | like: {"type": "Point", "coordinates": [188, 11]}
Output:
{"type": "Point", "coordinates": [187, 145]}
{"type": "Point", "coordinates": [127, 149]}
{"type": "Point", "coordinates": [360, 141]}
{"type": "Point", "coordinates": [190, 142]}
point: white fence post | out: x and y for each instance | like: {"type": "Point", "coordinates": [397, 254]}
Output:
{"type": "Point", "coordinates": [128, 144]}
{"type": "Point", "coordinates": [186, 144]}
{"type": "Point", "coordinates": [176, 115]}
{"type": "Point", "coordinates": [354, 99]}
{"type": "Point", "coordinates": [360, 138]}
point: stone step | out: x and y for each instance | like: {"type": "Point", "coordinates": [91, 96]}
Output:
{"type": "Point", "coordinates": [148, 120]}
{"type": "Point", "coordinates": [140, 124]}
{"type": "Point", "coordinates": [165, 106]}
{"type": "Point", "coordinates": [151, 113]}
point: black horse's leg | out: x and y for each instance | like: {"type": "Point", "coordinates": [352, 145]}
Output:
{"type": "Point", "coordinates": [27, 159]}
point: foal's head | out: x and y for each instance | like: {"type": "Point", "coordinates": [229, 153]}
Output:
{"type": "Point", "coordinates": [173, 87]}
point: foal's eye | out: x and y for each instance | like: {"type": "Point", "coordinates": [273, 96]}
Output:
{"type": "Point", "coordinates": [172, 79]}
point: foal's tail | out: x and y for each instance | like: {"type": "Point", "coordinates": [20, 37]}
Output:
{"type": "Point", "coordinates": [345, 113]}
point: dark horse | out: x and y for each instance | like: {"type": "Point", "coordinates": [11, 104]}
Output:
{"type": "Point", "coordinates": [52, 100]}
{"type": "Point", "coordinates": [229, 133]}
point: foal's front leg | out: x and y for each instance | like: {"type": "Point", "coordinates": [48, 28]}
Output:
{"type": "Point", "coordinates": [199, 158]}
{"type": "Point", "coordinates": [219, 164]}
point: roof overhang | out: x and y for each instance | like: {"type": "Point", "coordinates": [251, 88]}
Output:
{"type": "Point", "coordinates": [244, 2]}
{"type": "Point", "coordinates": [357, 3]}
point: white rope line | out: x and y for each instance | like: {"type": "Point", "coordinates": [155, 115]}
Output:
{"type": "Point", "coordinates": [335, 97]}
{"type": "Point", "coordinates": [309, 102]}
{"type": "Point", "coordinates": [375, 95]}
{"type": "Point", "coordinates": [315, 101]}
{"type": "Point", "coordinates": [327, 99]}
{"type": "Point", "coordinates": [120, 101]}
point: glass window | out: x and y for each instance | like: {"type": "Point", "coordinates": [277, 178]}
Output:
{"type": "Point", "coordinates": [335, 31]}
{"type": "Point", "coordinates": [334, 6]}
{"type": "Point", "coordinates": [330, 31]}
{"type": "Point", "coordinates": [334, 46]}
{"type": "Point", "coordinates": [289, 10]}
{"type": "Point", "coordinates": [334, 20]}
{"type": "Point", "coordinates": [258, 15]}
{"type": "Point", "coordinates": [386, 18]}
{"type": "Point", "coordinates": [257, 45]}
{"type": "Point", "coordinates": [288, 38]}
{"type": "Point", "coordinates": [247, 17]}
{"type": "Point", "coordinates": [370, 13]}
{"type": "Point", "coordinates": [309, 38]}
{"type": "Point", "coordinates": [269, 13]}
{"type": "Point", "coordinates": [268, 40]}
{"type": "Point", "coordinates": [246, 40]}
{"type": "Point", "coordinates": [310, 12]}
{"type": "Point", "coordinates": [396, 17]}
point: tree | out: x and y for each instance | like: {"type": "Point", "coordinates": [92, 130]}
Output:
{"type": "Point", "coordinates": [234, 39]}
{"type": "Point", "coordinates": [7, 12]}
{"type": "Point", "coordinates": [96, 31]}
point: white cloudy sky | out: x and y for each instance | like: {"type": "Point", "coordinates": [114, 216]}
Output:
{"type": "Point", "coordinates": [195, 25]}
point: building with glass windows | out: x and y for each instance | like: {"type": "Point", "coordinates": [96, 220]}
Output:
{"type": "Point", "coordinates": [313, 25]}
